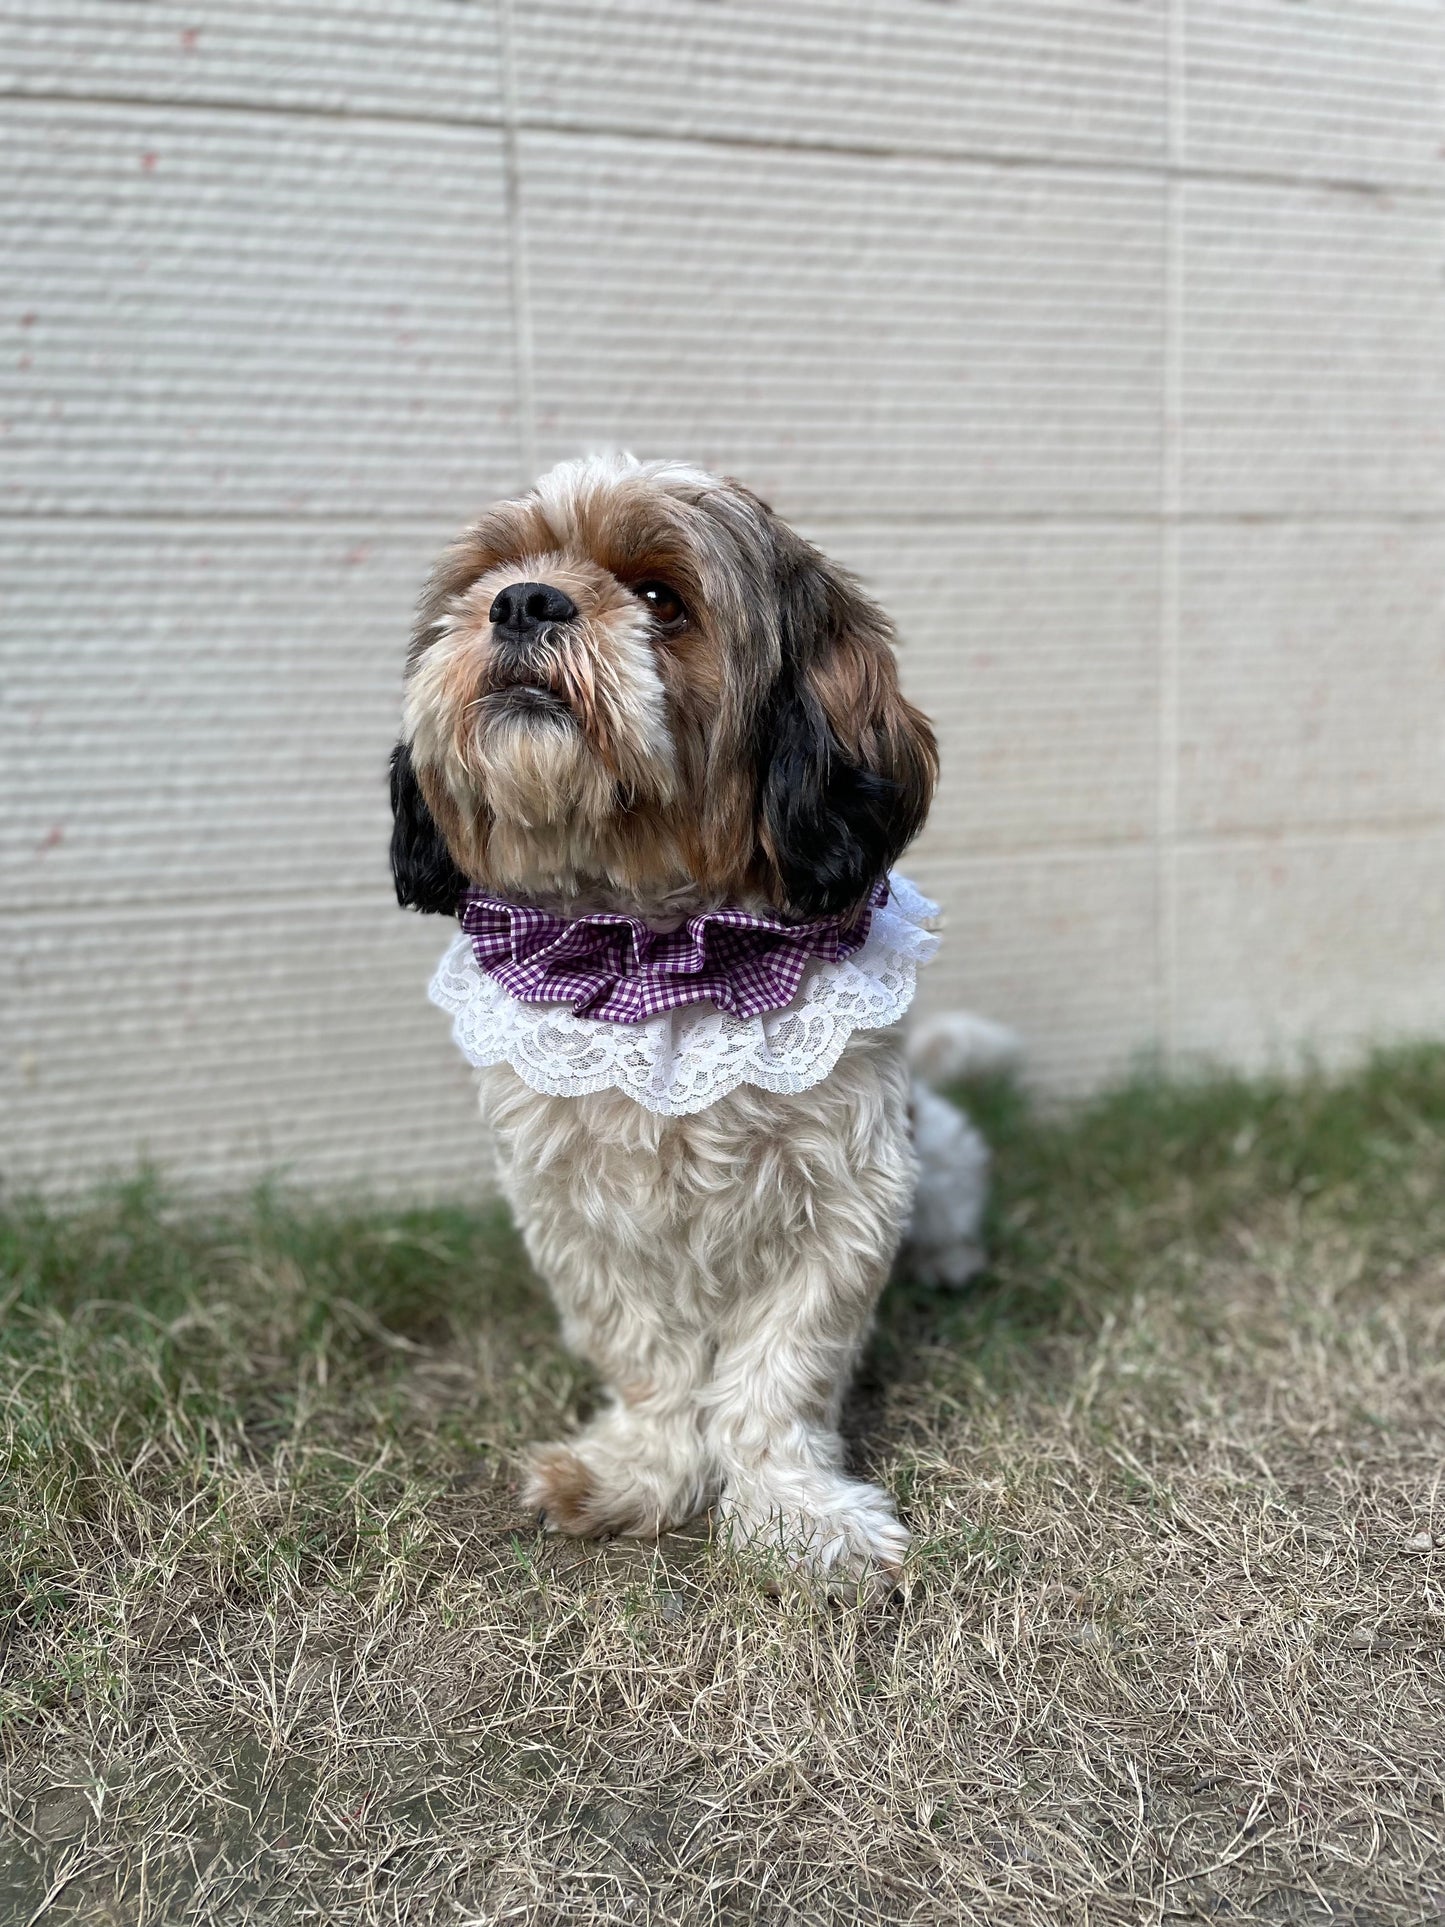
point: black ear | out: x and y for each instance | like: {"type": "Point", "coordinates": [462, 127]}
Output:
{"type": "Point", "coordinates": [421, 864]}
{"type": "Point", "coordinates": [846, 763]}
{"type": "Point", "coordinates": [831, 824]}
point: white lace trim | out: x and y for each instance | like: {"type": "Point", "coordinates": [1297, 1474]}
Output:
{"type": "Point", "coordinates": [684, 1060]}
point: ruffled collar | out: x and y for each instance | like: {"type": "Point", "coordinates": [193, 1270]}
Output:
{"type": "Point", "coordinates": [682, 1060]}
{"type": "Point", "coordinates": [618, 969]}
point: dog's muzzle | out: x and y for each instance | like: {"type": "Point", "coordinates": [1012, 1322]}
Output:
{"type": "Point", "coordinates": [523, 665]}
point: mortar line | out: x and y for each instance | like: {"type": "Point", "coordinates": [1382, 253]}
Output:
{"type": "Point", "coordinates": [1113, 165]}
{"type": "Point", "coordinates": [1170, 489]}
{"type": "Point", "coordinates": [381, 521]}
{"type": "Point", "coordinates": [1421, 827]}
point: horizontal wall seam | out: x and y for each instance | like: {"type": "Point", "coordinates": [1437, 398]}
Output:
{"type": "Point", "coordinates": [445, 520]}
{"type": "Point", "coordinates": [979, 158]}
{"type": "Point", "coordinates": [1423, 827]}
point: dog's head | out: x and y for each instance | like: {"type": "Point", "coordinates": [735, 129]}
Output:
{"type": "Point", "coordinates": [636, 681]}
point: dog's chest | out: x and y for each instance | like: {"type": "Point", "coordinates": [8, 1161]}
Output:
{"type": "Point", "coordinates": [742, 1169]}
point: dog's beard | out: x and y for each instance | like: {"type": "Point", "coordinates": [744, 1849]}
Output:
{"type": "Point", "coordinates": [529, 757]}
{"type": "Point", "coordinates": [546, 763]}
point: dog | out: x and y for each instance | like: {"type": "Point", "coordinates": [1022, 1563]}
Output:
{"type": "Point", "coordinates": [643, 715]}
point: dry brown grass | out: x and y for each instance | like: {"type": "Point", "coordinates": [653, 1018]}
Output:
{"type": "Point", "coordinates": [279, 1647]}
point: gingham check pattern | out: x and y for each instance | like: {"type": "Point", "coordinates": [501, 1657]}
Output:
{"type": "Point", "coordinates": [613, 967]}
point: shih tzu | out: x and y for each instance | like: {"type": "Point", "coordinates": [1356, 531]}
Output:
{"type": "Point", "coordinates": [656, 759]}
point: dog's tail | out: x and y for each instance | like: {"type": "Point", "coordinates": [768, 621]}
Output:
{"type": "Point", "coordinates": [955, 1044]}
{"type": "Point", "coordinates": [945, 1235]}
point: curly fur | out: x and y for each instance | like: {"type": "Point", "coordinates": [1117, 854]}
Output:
{"type": "Point", "coordinates": [720, 1270]}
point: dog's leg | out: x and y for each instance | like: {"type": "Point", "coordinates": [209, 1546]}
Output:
{"type": "Point", "coordinates": [837, 1199]}
{"type": "Point", "coordinates": [640, 1467]}
{"type": "Point", "coordinates": [774, 1401]}
{"type": "Point", "coordinates": [581, 1174]}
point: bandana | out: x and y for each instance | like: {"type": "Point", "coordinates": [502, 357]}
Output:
{"type": "Point", "coordinates": [613, 967]}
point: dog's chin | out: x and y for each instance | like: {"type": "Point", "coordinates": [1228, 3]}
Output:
{"type": "Point", "coordinates": [530, 725]}
{"type": "Point", "coordinates": [536, 767]}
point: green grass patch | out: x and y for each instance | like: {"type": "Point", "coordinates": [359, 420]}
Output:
{"type": "Point", "coordinates": [279, 1643]}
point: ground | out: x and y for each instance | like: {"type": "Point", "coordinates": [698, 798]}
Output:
{"type": "Point", "coordinates": [280, 1646]}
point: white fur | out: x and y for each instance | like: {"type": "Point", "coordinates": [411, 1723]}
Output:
{"type": "Point", "coordinates": [720, 1271]}
{"type": "Point", "coordinates": [569, 483]}
{"type": "Point", "coordinates": [953, 1162]}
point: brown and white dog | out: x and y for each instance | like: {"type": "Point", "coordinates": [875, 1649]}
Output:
{"type": "Point", "coordinates": [635, 688]}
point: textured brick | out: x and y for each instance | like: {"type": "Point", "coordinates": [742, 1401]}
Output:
{"type": "Point", "coordinates": [430, 58]}
{"type": "Point", "coordinates": [210, 313]}
{"type": "Point", "coordinates": [1060, 946]}
{"type": "Point", "coordinates": [1344, 90]}
{"type": "Point", "coordinates": [854, 336]}
{"type": "Point", "coordinates": [1314, 352]}
{"type": "Point", "coordinates": [226, 1041]}
{"type": "Point", "coordinates": [199, 713]}
{"type": "Point", "coordinates": [1035, 77]}
{"type": "Point", "coordinates": [1312, 676]}
{"type": "Point", "coordinates": [908, 270]}
{"type": "Point", "coordinates": [1311, 947]}
{"type": "Point", "coordinates": [1034, 649]}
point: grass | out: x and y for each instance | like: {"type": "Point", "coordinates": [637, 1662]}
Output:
{"type": "Point", "coordinates": [278, 1645]}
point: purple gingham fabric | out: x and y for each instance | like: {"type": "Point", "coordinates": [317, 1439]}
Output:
{"type": "Point", "coordinates": [614, 967]}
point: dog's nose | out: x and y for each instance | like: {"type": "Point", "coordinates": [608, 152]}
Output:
{"type": "Point", "coordinates": [525, 607]}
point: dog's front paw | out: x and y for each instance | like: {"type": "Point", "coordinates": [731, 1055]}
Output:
{"type": "Point", "coordinates": [619, 1475]}
{"type": "Point", "coordinates": [828, 1532]}
{"type": "Point", "coordinates": [564, 1492]}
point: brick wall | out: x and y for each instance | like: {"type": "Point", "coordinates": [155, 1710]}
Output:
{"type": "Point", "coordinates": [1106, 339]}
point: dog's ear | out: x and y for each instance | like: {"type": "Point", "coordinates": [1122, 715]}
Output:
{"type": "Point", "coordinates": [847, 765]}
{"type": "Point", "coordinates": [426, 878]}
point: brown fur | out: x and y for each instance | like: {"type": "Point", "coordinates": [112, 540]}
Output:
{"type": "Point", "coordinates": [524, 806]}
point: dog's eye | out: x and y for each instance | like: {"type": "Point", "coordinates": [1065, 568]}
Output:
{"type": "Point", "coordinates": [662, 603]}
